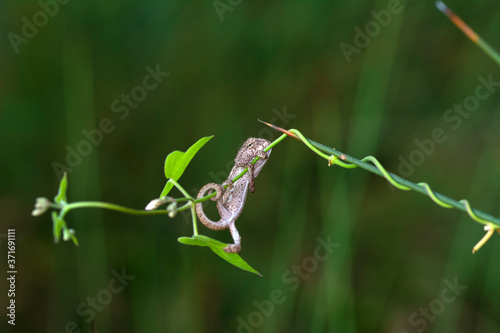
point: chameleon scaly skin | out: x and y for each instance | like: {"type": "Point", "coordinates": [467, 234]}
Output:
{"type": "Point", "coordinates": [230, 202]}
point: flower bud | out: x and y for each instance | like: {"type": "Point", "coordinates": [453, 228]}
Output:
{"type": "Point", "coordinates": [156, 203]}
{"type": "Point", "coordinates": [172, 209]}
{"type": "Point", "coordinates": [68, 233]}
{"type": "Point", "coordinates": [41, 206]}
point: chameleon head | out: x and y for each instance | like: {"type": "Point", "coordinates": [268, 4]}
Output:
{"type": "Point", "coordinates": [251, 148]}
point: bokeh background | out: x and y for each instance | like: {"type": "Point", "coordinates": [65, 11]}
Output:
{"type": "Point", "coordinates": [280, 62]}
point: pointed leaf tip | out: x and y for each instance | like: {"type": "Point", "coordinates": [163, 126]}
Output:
{"type": "Point", "coordinates": [61, 193]}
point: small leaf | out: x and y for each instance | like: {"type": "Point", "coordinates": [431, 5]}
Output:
{"type": "Point", "coordinates": [218, 248]}
{"type": "Point", "coordinates": [61, 194]}
{"type": "Point", "coordinates": [177, 161]}
{"type": "Point", "coordinates": [57, 225]}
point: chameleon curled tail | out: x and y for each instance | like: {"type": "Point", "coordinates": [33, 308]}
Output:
{"type": "Point", "coordinates": [219, 225]}
{"type": "Point", "coordinates": [223, 223]}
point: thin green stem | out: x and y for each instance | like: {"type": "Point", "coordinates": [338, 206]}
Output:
{"type": "Point", "coordinates": [193, 217]}
{"type": "Point", "coordinates": [56, 205]}
{"type": "Point", "coordinates": [180, 188]}
{"type": "Point", "coordinates": [488, 50]}
{"type": "Point", "coordinates": [105, 205]}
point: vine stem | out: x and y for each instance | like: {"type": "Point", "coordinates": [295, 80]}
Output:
{"type": "Point", "coordinates": [109, 206]}
{"type": "Point", "coordinates": [181, 189]}
{"type": "Point", "coordinates": [336, 157]}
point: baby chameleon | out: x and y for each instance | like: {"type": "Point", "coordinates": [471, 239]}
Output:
{"type": "Point", "coordinates": [230, 201]}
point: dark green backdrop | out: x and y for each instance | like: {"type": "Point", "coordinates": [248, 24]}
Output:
{"type": "Point", "coordinates": [396, 254]}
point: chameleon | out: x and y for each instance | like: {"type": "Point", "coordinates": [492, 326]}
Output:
{"type": "Point", "coordinates": [230, 201]}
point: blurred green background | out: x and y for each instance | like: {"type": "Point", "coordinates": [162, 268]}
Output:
{"type": "Point", "coordinates": [397, 252]}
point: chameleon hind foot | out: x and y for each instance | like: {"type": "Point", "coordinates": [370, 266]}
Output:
{"type": "Point", "coordinates": [232, 248]}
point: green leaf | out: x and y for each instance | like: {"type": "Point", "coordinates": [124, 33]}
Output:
{"type": "Point", "coordinates": [61, 193]}
{"type": "Point", "coordinates": [57, 225]}
{"type": "Point", "coordinates": [217, 247]}
{"type": "Point", "coordinates": [177, 161]}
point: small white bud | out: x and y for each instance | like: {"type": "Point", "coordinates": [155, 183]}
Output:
{"type": "Point", "coordinates": [68, 233]}
{"type": "Point", "coordinates": [153, 204]}
{"type": "Point", "coordinates": [156, 203]}
{"type": "Point", "coordinates": [41, 206]}
{"type": "Point", "coordinates": [172, 209]}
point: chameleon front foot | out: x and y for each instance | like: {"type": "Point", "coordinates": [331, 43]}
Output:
{"type": "Point", "coordinates": [252, 178]}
